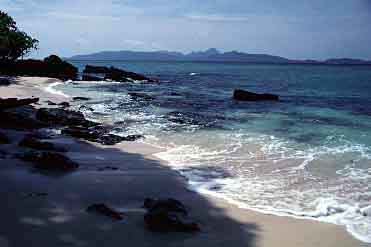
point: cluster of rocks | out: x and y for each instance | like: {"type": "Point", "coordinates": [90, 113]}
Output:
{"type": "Point", "coordinates": [19, 114]}
{"type": "Point", "coordinates": [163, 215]}
{"type": "Point", "coordinates": [99, 73]}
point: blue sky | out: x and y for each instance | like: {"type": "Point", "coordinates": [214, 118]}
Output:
{"type": "Point", "coordinates": [315, 29]}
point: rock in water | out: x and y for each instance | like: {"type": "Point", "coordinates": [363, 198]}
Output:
{"type": "Point", "coordinates": [243, 95]}
{"type": "Point", "coordinates": [112, 73]}
{"type": "Point", "coordinates": [104, 210]}
{"type": "Point", "coordinates": [14, 102]}
{"type": "Point", "coordinates": [49, 161]}
{"type": "Point", "coordinates": [80, 98]}
{"type": "Point", "coordinates": [168, 215]}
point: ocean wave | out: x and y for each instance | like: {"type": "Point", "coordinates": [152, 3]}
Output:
{"type": "Point", "coordinates": [51, 89]}
{"type": "Point", "coordinates": [221, 171]}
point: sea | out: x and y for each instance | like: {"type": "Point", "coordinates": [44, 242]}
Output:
{"type": "Point", "coordinates": [306, 156]}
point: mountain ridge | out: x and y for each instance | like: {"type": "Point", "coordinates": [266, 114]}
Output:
{"type": "Point", "coordinates": [209, 55]}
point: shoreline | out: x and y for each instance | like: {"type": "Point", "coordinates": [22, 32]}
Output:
{"type": "Point", "coordinates": [272, 229]}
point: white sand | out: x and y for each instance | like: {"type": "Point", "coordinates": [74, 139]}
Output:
{"type": "Point", "coordinates": [59, 219]}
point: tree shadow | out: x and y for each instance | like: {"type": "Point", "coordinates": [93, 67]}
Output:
{"type": "Point", "coordinates": [60, 219]}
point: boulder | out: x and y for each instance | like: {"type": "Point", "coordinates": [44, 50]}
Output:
{"type": "Point", "coordinates": [49, 161]}
{"type": "Point", "coordinates": [243, 95]}
{"type": "Point", "coordinates": [104, 210]}
{"type": "Point", "coordinates": [14, 102]}
{"type": "Point", "coordinates": [168, 215]}
{"type": "Point", "coordinates": [31, 142]}
{"type": "Point", "coordinates": [4, 139]}
{"type": "Point", "coordinates": [62, 117]}
{"type": "Point", "coordinates": [168, 204]}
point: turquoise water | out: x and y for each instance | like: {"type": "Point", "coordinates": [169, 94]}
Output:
{"type": "Point", "coordinates": [308, 155]}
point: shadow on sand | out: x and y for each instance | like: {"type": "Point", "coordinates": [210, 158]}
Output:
{"type": "Point", "coordinates": [59, 218]}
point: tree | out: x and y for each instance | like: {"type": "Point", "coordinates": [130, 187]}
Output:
{"type": "Point", "coordinates": [13, 42]}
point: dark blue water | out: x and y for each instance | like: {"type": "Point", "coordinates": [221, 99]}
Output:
{"type": "Point", "coordinates": [308, 155]}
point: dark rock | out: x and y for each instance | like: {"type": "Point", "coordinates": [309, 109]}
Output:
{"type": "Point", "coordinates": [4, 82]}
{"type": "Point", "coordinates": [14, 102]}
{"type": "Point", "coordinates": [243, 95]}
{"type": "Point", "coordinates": [62, 117]}
{"type": "Point", "coordinates": [64, 104]}
{"type": "Point", "coordinates": [114, 74]}
{"type": "Point", "coordinates": [168, 215]}
{"type": "Point", "coordinates": [31, 142]}
{"type": "Point", "coordinates": [85, 108]}
{"type": "Point", "coordinates": [49, 161]}
{"type": "Point", "coordinates": [22, 118]}
{"type": "Point", "coordinates": [99, 134]}
{"type": "Point", "coordinates": [168, 204]}
{"type": "Point", "coordinates": [4, 139]}
{"type": "Point", "coordinates": [86, 77]}
{"type": "Point", "coordinates": [90, 69]}
{"type": "Point", "coordinates": [104, 210]}
{"type": "Point", "coordinates": [132, 138]}
{"type": "Point", "coordinates": [140, 96]}
{"type": "Point", "coordinates": [80, 98]}
{"type": "Point", "coordinates": [110, 168]}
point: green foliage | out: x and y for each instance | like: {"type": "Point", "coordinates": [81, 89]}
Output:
{"type": "Point", "coordinates": [13, 42]}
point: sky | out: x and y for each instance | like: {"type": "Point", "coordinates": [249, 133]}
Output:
{"type": "Point", "coordinates": [297, 29]}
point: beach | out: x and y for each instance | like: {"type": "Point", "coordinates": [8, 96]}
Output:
{"type": "Point", "coordinates": [58, 216]}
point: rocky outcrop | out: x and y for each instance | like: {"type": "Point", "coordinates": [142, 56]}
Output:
{"type": "Point", "coordinates": [21, 118]}
{"type": "Point", "coordinates": [63, 117]}
{"type": "Point", "coordinates": [99, 134]}
{"type": "Point", "coordinates": [168, 215]}
{"type": "Point", "coordinates": [93, 73]}
{"type": "Point", "coordinates": [14, 102]}
{"type": "Point", "coordinates": [49, 161]}
{"type": "Point", "coordinates": [243, 95]}
{"type": "Point", "coordinates": [104, 210]}
{"type": "Point", "coordinates": [51, 66]}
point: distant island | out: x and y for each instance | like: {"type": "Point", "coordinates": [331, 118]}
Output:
{"type": "Point", "coordinates": [210, 55]}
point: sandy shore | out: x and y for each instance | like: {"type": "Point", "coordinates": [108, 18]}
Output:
{"type": "Point", "coordinates": [58, 218]}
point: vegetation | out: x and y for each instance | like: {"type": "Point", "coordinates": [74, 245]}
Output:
{"type": "Point", "coordinates": [14, 43]}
